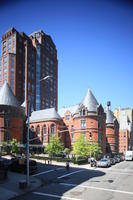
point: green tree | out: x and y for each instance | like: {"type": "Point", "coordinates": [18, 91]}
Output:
{"type": "Point", "coordinates": [81, 146]}
{"type": "Point", "coordinates": [55, 146]}
{"type": "Point", "coordinates": [94, 149]}
{"type": "Point", "coordinates": [14, 146]}
{"type": "Point", "coordinates": [4, 147]}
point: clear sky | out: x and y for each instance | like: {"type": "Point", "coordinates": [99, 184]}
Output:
{"type": "Point", "coordinates": [94, 40]}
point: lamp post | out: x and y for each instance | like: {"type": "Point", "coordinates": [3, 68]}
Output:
{"type": "Point", "coordinates": [27, 149]}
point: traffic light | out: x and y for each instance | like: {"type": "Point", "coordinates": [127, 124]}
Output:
{"type": "Point", "coordinates": [90, 135]}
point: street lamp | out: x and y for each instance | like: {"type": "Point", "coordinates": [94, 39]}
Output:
{"type": "Point", "coordinates": [27, 150]}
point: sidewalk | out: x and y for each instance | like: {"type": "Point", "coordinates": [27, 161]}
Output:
{"type": "Point", "coordinates": [85, 166]}
{"type": "Point", "coordinates": [10, 187]}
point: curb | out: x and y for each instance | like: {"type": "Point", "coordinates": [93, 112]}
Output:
{"type": "Point", "coordinates": [26, 191]}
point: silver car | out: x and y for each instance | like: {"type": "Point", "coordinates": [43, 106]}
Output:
{"type": "Point", "coordinates": [104, 163]}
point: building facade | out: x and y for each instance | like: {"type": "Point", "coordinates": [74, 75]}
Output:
{"type": "Point", "coordinates": [12, 116]}
{"type": "Point", "coordinates": [125, 118]}
{"type": "Point", "coordinates": [112, 132]}
{"type": "Point", "coordinates": [25, 60]}
{"type": "Point", "coordinates": [46, 123]}
{"type": "Point", "coordinates": [87, 118]}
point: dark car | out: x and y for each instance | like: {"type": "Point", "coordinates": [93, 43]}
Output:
{"type": "Point", "coordinates": [20, 165]}
{"type": "Point", "coordinates": [113, 161]}
{"type": "Point", "coordinates": [60, 155]}
{"type": "Point", "coordinates": [4, 166]}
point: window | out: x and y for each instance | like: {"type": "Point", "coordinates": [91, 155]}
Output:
{"type": "Point", "coordinates": [5, 69]}
{"type": "Point", "coordinates": [83, 112]}
{"type": "Point", "coordinates": [5, 61]}
{"type": "Point", "coordinates": [72, 137]}
{"type": "Point", "coordinates": [82, 123]}
{"type": "Point", "coordinates": [4, 43]}
{"type": "Point", "coordinates": [38, 131]}
{"type": "Point", "coordinates": [9, 40]}
{"type": "Point", "coordinates": [67, 117]}
{"type": "Point", "coordinates": [4, 50]}
{"type": "Point", "coordinates": [44, 131]}
{"type": "Point", "coordinates": [7, 136]}
{"type": "Point", "coordinates": [52, 129]}
{"type": "Point", "coordinates": [5, 76]}
{"type": "Point", "coordinates": [6, 123]}
{"type": "Point", "coordinates": [72, 128]}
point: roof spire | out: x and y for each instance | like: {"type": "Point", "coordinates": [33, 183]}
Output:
{"type": "Point", "coordinates": [7, 97]}
{"type": "Point", "coordinates": [89, 101]}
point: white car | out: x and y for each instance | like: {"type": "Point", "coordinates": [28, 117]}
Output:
{"type": "Point", "coordinates": [104, 163]}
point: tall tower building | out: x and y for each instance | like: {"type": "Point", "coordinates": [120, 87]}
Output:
{"type": "Point", "coordinates": [46, 57]}
{"type": "Point", "coordinates": [24, 61]}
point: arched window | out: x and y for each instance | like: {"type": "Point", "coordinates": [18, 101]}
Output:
{"type": "Point", "coordinates": [44, 132]}
{"type": "Point", "coordinates": [84, 112]}
{"type": "Point", "coordinates": [52, 129]}
{"type": "Point", "coordinates": [38, 131]}
{"type": "Point", "coordinates": [72, 137]}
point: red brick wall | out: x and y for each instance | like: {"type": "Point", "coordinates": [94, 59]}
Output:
{"type": "Point", "coordinates": [124, 137]}
{"type": "Point", "coordinates": [58, 125]}
{"type": "Point", "coordinates": [15, 129]}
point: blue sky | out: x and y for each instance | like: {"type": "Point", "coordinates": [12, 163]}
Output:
{"type": "Point", "coordinates": [94, 40]}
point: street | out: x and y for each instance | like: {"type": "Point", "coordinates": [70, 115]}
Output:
{"type": "Point", "coordinates": [112, 183]}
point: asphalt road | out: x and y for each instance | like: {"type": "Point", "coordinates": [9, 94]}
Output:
{"type": "Point", "coordinates": [114, 183]}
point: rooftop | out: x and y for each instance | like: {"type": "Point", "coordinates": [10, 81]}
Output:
{"type": "Point", "coordinates": [44, 115]}
{"type": "Point", "coordinates": [89, 101]}
{"type": "Point", "coordinates": [7, 97]}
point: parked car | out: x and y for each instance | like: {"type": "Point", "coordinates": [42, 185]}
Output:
{"type": "Point", "coordinates": [117, 159]}
{"type": "Point", "coordinates": [122, 157]}
{"type": "Point", "coordinates": [104, 163]}
{"type": "Point", "coordinates": [61, 155]}
{"type": "Point", "coordinates": [20, 165]}
{"type": "Point", "coordinates": [4, 165]}
{"type": "Point", "coordinates": [112, 160]}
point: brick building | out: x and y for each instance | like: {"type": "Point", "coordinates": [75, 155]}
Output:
{"type": "Point", "coordinates": [45, 123]}
{"type": "Point", "coordinates": [125, 118]}
{"type": "Point", "coordinates": [125, 133]}
{"type": "Point", "coordinates": [12, 116]}
{"type": "Point", "coordinates": [24, 61]}
{"type": "Point", "coordinates": [87, 118]}
{"type": "Point", "coordinates": [112, 132]}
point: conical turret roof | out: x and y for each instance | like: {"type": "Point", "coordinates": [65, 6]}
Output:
{"type": "Point", "coordinates": [7, 97]}
{"type": "Point", "coordinates": [89, 101]}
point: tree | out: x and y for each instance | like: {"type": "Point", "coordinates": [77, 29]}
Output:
{"type": "Point", "coordinates": [4, 147]}
{"type": "Point", "coordinates": [81, 146]}
{"type": "Point", "coordinates": [14, 146]}
{"type": "Point", "coordinates": [55, 146]}
{"type": "Point", "coordinates": [94, 149]}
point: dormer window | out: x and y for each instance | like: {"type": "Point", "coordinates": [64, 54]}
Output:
{"type": "Point", "coordinates": [67, 117]}
{"type": "Point", "coordinates": [83, 112]}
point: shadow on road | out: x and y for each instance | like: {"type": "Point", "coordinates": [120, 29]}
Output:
{"type": "Point", "coordinates": [60, 180]}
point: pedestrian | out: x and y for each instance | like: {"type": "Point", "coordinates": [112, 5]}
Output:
{"type": "Point", "coordinates": [67, 165]}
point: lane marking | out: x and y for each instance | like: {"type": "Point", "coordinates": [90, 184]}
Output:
{"type": "Point", "coordinates": [51, 170]}
{"type": "Point", "coordinates": [97, 188]}
{"type": "Point", "coordinates": [70, 174]}
{"type": "Point", "coordinates": [54, 196]}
